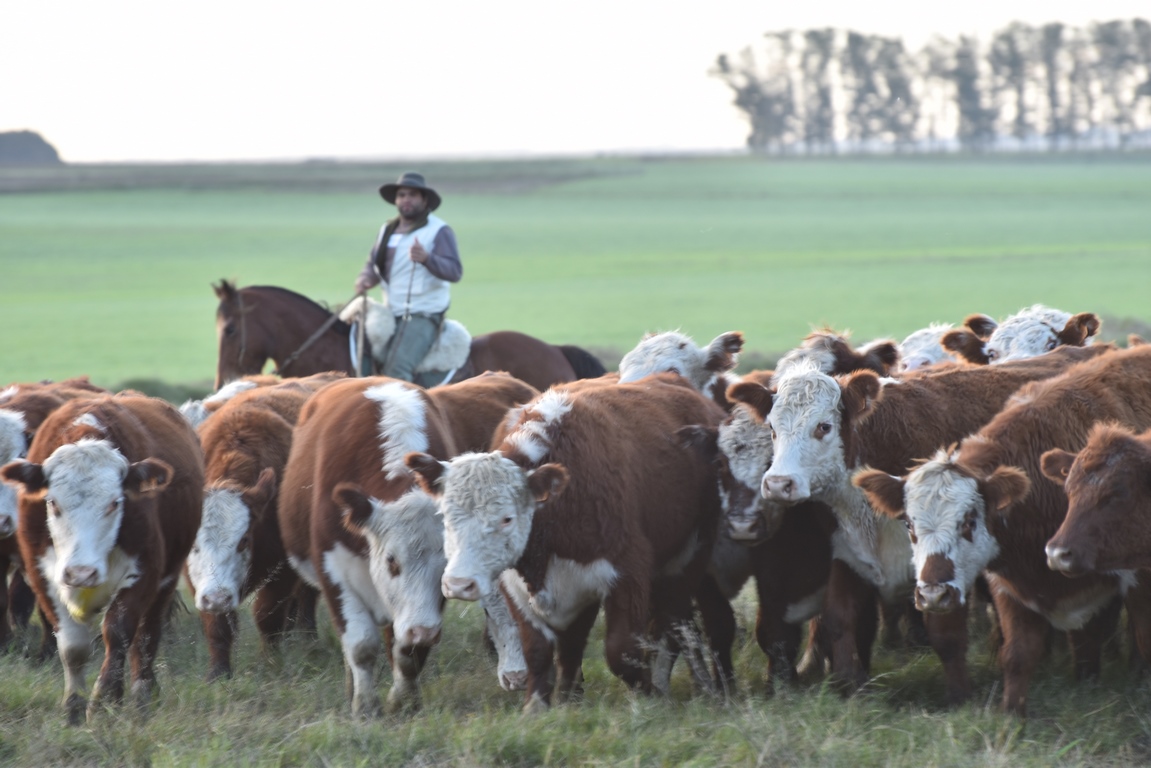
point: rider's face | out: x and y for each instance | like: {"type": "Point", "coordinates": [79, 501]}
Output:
{"type": "Point", "coordinates": [410, 202]}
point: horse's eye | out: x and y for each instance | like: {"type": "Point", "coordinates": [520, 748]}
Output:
{"type": "Point", "coordinates": [229, 330]}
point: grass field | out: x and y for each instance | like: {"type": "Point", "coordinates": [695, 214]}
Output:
{"type": "Point", "coordinates": [110, 279]}
{"type": "Point", "coordinates": [106, 271]}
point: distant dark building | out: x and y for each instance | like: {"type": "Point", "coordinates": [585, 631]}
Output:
{"type": "Point", "coordinates": [26, 148]}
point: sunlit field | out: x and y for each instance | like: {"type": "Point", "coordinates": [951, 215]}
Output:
{"type": "Point", "coordinates": [114, 282]}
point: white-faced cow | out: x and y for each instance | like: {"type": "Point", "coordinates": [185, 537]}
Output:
{"type": "Point", "coordinates": [1108, 487]}
{"type": "Point", "coordinates": [238, 549]}
{"type": "Point", "coordinates": [986, 507]}
{"type": "Point", "coordinates": [823, 429]}
{"type": "Point", "coordinates": [707, 369]}
{"type": "Point", "coordinates": [924, 348]}
{"type": "Point", "coordinates": [23, 408]}
{"type": "Point", "coordinates": [110, 500]}
{"type": "Point", "coordinates": [592, 499]}
{"type": "Point", "coordinates": [1029, 332]}
{"type": "Point", "coordinates": [355, 525]}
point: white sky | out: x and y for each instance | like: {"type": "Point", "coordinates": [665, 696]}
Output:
{"type": "Point", "coordinates": [255, 79]}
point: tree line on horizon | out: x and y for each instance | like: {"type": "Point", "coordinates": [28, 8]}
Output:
{"type": "Point", "coordinates": [1052, 87]}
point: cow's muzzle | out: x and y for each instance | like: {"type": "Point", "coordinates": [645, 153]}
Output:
{"type": "Point", "coordinates": [936, 598]}
{"type": "Point", "coordinates": [83, 576]}
{"type": "Point", "coordinates": [455, 588]}
{"type": "Point", "coordinates": [1063, 560]}
{"type": "Point", "coordinates": [216, 601]}
{"type": "Point", "coordinates": [783, 489]}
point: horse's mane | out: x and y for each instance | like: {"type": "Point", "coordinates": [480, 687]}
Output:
{"type": "Point", "coordinates": [339, 326]}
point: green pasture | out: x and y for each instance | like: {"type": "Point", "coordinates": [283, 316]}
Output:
{"type": "Point", "coordinates": [105, 270]}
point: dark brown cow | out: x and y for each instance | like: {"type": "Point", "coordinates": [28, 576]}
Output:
{"type": "Point", "coordinates": [238, 549]}
{"type": "Point", "coordinates": [825, 428]}
{"type": "Point", "coordinates": [986, 507]}
{"type": "Point", "coordinates": [110, 502]}
{"type": "Point", "coordinates": [23, 408]}
{"type": "Point", "coordinates": [380, 568]}
{"type": "Point", "coordinates": [592, 499]}
{"type": "Point", "coordinates": [1108, 487]}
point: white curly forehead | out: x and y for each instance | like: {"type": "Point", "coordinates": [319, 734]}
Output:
{"type": "Point", "coordinates": [668, 351]}
{"type": "Point", "coordinates": [1026, 333]}
{"type": "Point", "coordinates": [12, 441]}
{"type": "Point", "coordinates": [476, 484]}
{"type": "Point", "coordinates": [805, 388]}
{"type": "Point", "coordinates": [937, 494]}
{"type": "Point", "coordinates": [926, 342]}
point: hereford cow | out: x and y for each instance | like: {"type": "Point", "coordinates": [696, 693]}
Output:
{"type": "Point", "coordinates": [238, 549]}
{"type": "Point", "coordinates": [706, 369]}
{"type": "Point", "coordinates": [198, 411]}
{"type": "Point", "coordinates": [355, 526]}
{"type": "Point", "coordinates": [824, 428]}
{"type": "Point", "coordinates": [110, 500]}
{"type": "Point", "coordinates": [1109, 502]}
{"type": "Point", "coordinates": [986, 507]}
{"type": "Point", "coordinates": [1027, 333]}
{"type": "Point", "coordinates": [23, 408]}
{"type": "Point", "coordinates": [592, 499]}
{"type": "Point", "coordinates": [924, 348]}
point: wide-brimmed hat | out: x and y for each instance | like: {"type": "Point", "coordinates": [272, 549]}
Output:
{"type": "Point", "coordinates": [412, 180]}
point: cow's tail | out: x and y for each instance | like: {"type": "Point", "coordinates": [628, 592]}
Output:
{"type": "Point", "coordinates": [584, 363]}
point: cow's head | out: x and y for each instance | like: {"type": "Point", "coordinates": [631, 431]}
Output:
{"type": "Point", "coordinates": [84, 487]}
{"type": "Point", "coordinates": [221, 556]}
{"type": "Point", "coordinates": [1108, 486]}
{"type": "Point", "coordinates": [488, 503]}
{"type": "Point", "coordinates": [676, 353]}
{"type": "Point", "coordinates": [406, 558]}
{"type": "Point", "coordinates": [810, 417]}
{"type": "Point", "coordinates": [925, 347]}
{"type": "Point", "coordinates": [1039, 329]}
{"type": "Point", "coordinates": [831, 353]}
{"type": "Point", "coordinates": [946, 507]}
{"type": "Point", "coordinates": [14, 442]}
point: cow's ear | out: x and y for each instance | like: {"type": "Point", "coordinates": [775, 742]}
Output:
{"type": "Point", "coordinates": [354, 505]}
{"type": "Point", "coordinates": [965, 344]}
{"type": "Point", "coordinates": [258, 498]}
{"type": "Point", "coordinates": [880, 356]}
{"type": "Point", "coordinates": [700, 438]}
{"type": "Point", "coordinates": [1135, 340]}
{"type": "Point", "coordinates": [1078, 329]}
{"type": "Point", "coordinates": [981, 325]}
{"type": "Point", "coordinates": [147, 476]}
{"type": "Point", "coordinates": [25, 473]}
{"type": "Point", "coordinates": [723, 352]}
{"type": "Point", "coordinates": [1005, 486]}
{"type": "Point", "coordinates": [884, 491]}
{"type": "Point", "coordinates": [429, 471]}
{"type": "Point", "coordinates": [547, 481]}
{"type": "Point", "coordinates": [756, 396]}
{"type": "Point", "coordinates": [1056, 464]}
{"type": "Point", "coordinates": [979, 456]}
{"type": "Point", "coordinates": [861, 391]}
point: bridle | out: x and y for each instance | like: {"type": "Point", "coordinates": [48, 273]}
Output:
{"type": "Point", "coordinates": [242, 311]}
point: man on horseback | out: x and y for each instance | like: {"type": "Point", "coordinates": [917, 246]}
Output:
{"type": "Point", "coordinates": [417, 258]}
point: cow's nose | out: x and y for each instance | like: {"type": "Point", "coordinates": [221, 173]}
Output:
{"type": "Point", "coordinates": [516, 680]}
{"type": "Point", "coordinates": [460, 589]}
{"type": "Point", "coordinates": [81, 576]}
{"type": "Point", "coordinates": [217, 601]}
{"type": "Point", "coordinates": [1060, 558]}
{"type": "Point", "coordinates": [743, 528]}
{"type": "Point", "coordinates": [778, 488]}
{"type": "Point", "coordinates": [935, 597]}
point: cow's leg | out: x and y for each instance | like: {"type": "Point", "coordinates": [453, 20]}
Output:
{"type": "Point", "coordinates": [302, 616]}
{"type": "Point", "coordinates": [1137, 600]}
{"type": "Point", "coordinates": [849, 612]}
{"type": "Point", "coordinates": [539, 657]}
{"type": "Point", "coordinates": [503, 633]}
{"type": "Point", "coordinates": [360, 643]}
{"type": "Point", "coordinates": [947, 634]}
{"type": "Point", "coordinates": [570, 644]}
{"type": "Point", "coordinates": [121, 623]}
{"type": "Point", "coordinates": [147, 643]}
{"type": "Point", "coordinates": [1087, 643]}
{"type": "Point", "coordinates": [771, 632]}
{"type": "Point", "coordinates": [75, 647]}
{"type": "Point", "coordinates": [1024, 638]}
{"type": "Point", "coordinates": [406, 666]}
{"type": "Point", "coordinates": [271, 610]}
{"type": "Point", "coordinates": [220, 631]}
{"type": "Point", "coordinates": [625, 618]}
{"type": "Point", "coordinates": [817, 652]}
{"type": "Point", "coordinates": [5, 627]}
{"type": "Point", "coordinates": [719, 626]}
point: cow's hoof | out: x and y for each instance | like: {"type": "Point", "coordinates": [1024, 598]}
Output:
{"type": "Point", "coordinates": [535, 705]}
{"type": "Point", "coordinates": [75, 706]}
{"type": "Point", "coordinates": [402, 698]}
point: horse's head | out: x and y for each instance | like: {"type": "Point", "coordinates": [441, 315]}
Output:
{"type": "Point", "coordinates": [242, 341]}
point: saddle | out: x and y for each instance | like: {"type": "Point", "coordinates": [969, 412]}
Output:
{"type": "Point", "coordinates": [449, 352]}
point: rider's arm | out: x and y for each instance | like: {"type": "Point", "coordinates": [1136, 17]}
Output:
{"type": "Point", "coordinates": [444, 256]}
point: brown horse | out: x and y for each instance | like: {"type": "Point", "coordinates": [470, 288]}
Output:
{"type": "Point", "coordinates": [262, 322]}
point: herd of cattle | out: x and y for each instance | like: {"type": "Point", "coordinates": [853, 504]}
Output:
{"type": "Point", "coordinates": [849, 483]}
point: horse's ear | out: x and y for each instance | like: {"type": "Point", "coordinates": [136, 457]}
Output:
{"type": "Point", "coordinates": [225, 289]}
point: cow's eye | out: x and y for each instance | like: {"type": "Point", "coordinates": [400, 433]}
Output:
{"type": "Point", "coordinates": [506, 521]}
{"type": "Point", "coordinates": [113, 507]}
{"type": "Point", "coordinates": [393, 566]}
{"type": "Point", "coordinates": [993, 355]}
{"type": "Point", "coordinates": [245, 543]}
{"type": "Point", "coordinates": [910, 529]}
{"type": "Point", "coordinates": [967, 527]}
{"type": "Point", "coordinates": [53, 509]}
{"type": "Point", "coordinates": [822, 430]}
{"type": "Point", "coordinates": [1051, 344]}
{"type": "Point", "coordinates": [773, 433]}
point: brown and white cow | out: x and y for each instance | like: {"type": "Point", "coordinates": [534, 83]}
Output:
{"type": "Point", "coordinates": [198, 411]}
{"type": "Point", "coordinates": [824, 428]}
{"type": "Point", "coordinates": [238, 549]}
{"type": "Point", "coordinates": [592, 499]}
{"type": "Point", "coordinates": [1029, 332]}
{"type": "Point", "coordinates": [355, 525]}
{"type": "Point", "coordinates": [1108, 487]}
{"type": "Point", "coordinates": [110, 500]}
{"type": "Point", "coordinates": [708, 369]}
{"type": "Point", "coordinates": [986, 507]}
{"type": "Point", "coordinates": [23, 408]}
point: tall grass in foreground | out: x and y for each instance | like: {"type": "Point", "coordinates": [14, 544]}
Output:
{"type": "Point", "coordinates": [289, 709]}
